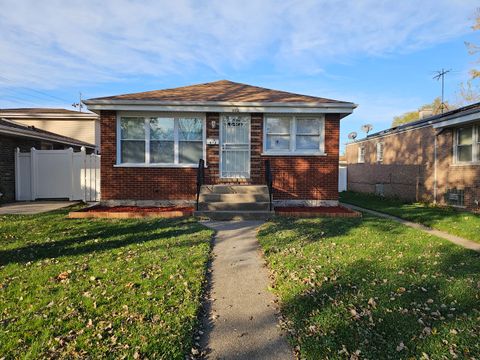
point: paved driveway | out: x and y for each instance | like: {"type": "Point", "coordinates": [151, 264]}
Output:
{"type": "Point", "coordinates": [34, 207]}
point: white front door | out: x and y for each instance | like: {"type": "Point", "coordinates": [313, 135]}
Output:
{"type": "Point", "coordinates": [235, 146]}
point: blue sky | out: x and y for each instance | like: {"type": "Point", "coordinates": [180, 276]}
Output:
{"type": "Point", "coordinates": [378, 54]}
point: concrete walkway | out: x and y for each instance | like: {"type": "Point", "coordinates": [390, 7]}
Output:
{"type": "Point", "coordinates": [34, 207]}
{"type": "Point", "coordinates": [469, 244]}
{"type": "Point", "coordinates": [241, 320]}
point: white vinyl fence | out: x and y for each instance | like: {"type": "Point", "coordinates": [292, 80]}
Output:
{"type": "Point", "coordinates": [342, 178]}
{"type": "Point", "coordinates": [55, 174]}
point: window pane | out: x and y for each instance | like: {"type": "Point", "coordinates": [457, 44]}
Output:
{"type": "Point", "coordinates": [308, 142]}
{"type": "Point", "coordinates": [133, 151]}
{"type": "Point", "coordinates": [161, 128]}
{"type": "Point", "coordinates": [161, 152]}
{"type": "Point", "coordinates": [464, 153]}
{"type": "Point", "coordinates": [190, 129]}
{"type": "Point", "coordinates": [190, 152]}
{"type": "Point", "coordinates": [278, 126]}
{"type": "Point", "coordinates": [465, 136]}
{"type": "Point", "coordinates": [278, 142]}
{"type": "Point", "coordinates": [132, 128]}
{"type": "Point", "coordinates": [308, 126]}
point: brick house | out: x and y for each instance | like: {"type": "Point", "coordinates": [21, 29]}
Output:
{"type": "Point", "coordinates": [13, 136]}
{"type": "Point", "coordinates": [152, 142]}
{"type": "Point", "coordinates": [435, 159]}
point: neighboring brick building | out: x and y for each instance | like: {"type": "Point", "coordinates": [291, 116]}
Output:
{"type": "Point", "coordinates": [13, 136]}
{"type": "Point", "coordinates": [436, 159]}
{"type": "Point", "coordinates": [152, 142]}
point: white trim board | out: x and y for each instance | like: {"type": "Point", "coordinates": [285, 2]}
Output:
{"type": "Point", "coordinates": [270, 108]}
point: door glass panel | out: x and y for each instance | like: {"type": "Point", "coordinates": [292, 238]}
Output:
{"type": "Point", "coordinates": [235, 146]}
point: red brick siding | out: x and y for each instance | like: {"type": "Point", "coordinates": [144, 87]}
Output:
{"type": "Point", "coordinates": [407, 170]}
{"type": "Point", "coordinates": [295, 177]}
{"type": "Point", "coordinates": [309, 177]}
{"type": "Point", "coordinates": [139, 183]}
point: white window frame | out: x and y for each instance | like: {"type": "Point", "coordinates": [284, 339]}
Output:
{"type": "Point", "coordinates": [475, 145]}
{"type": "Point", "coordinates": [293, 151]}
{"type": "Point", "coordinates": [146, 116]}
{"type": "Point", "coordinates": [380, 148]}
{"type": "Point", "coordinates": [361, 154]}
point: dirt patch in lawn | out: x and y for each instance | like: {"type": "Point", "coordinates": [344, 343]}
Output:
{"type": "Point", "coordinates": [314, 211]}
{"type": "Point", "coordinates": [125, 212]}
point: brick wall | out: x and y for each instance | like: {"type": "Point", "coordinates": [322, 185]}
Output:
{"type": "Point", "coordinates": [309, 177]}
{"type": "Point", "coordinates": [295, 177]}
{"type": "Point", "coordinates": [8, 147]}
{"type": "Point", "coordinates": [407, 170]}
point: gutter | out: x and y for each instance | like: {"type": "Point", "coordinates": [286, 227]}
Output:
{"type": "Point", "coordinates": [221, 107]}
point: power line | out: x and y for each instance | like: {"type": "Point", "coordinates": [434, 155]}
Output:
{"type": "Point", "coordinates": [440, 74]}
{"type": "Point", "coordinates": [36, 91]}
{"type": "Point", "coordinates": [9, 91]}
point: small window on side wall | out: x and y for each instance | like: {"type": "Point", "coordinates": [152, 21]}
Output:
{"type": "Point", "coordinates": [379, 152]}
{"type": "Point", "coordinates": [464, 144]}
{"type": "Point", "coordinates": [361, 154]}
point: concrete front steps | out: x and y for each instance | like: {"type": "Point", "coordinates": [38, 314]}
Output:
{"type": "Point", "coordinates": [234, 202]}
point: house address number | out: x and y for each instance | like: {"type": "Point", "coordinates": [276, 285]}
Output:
{"type": "Point", "coordinates": [212, 141]}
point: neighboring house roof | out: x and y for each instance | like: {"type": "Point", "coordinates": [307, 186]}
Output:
{"type": "Point", "coordinates": [461, 115]}
{"type": "Point", "coordinates": [46, 113]}
{"type": "Point", "coordinates": [11, 128]}
{"type": "Point", "coordinates": [211, 96]}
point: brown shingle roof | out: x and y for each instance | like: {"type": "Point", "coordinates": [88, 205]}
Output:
{"type": "Point", "coordinates": [221, 91]}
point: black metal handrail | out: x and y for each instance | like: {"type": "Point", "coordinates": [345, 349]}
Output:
{"type": "Point", "coordinates": [269, 182]}
{"type": "Point", "coordinates": [200, 178]}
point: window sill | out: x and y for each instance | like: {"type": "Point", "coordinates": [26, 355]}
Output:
{"type": "Point", "coordinates": [156, 166]}
{"type": "Point", "coordinates": [473, 163]}
{"type": "Point", "coordinates": [292, 153]}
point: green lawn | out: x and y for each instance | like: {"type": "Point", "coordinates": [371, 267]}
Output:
{"type": "Point", "coordinates": [456, 222]}
{"type": "Point", "coordinates": [373, 288]}
{"type": "Point", "coordinates": [99, 288]}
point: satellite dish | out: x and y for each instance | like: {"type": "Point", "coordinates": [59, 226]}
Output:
{"type": "Point", "coordinates": [367, 128]}
{"type": "Point", "coordinates": [352, 135]}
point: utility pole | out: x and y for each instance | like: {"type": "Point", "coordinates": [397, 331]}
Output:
{"type": "Point", "coordinates": [79, 105]}
{"type": "Point", "coordinates": [441, 75]}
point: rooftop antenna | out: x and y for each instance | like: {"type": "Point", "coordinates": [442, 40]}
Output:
{"type": "Point", "coordinates": [79, 105]}
{"type": "Point", "coordinates": [440, 74]}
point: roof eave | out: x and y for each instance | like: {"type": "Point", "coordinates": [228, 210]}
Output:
{"type": "Point", "coordinates": [29, 134]}
{"type": "Point", "coordinates": [214, 106]}
{"type": "Point", "coordinates": [458, 120]}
